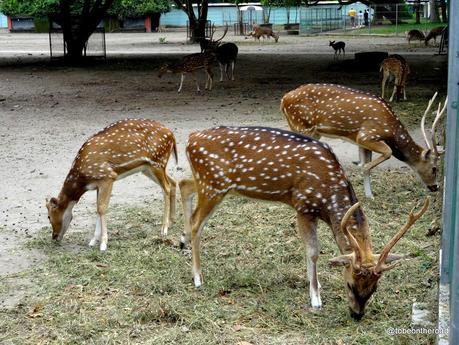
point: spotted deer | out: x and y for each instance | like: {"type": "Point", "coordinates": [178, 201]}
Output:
{"type": "Point", "coordinates": [366, 120]}
{"type": "Point", "coordinates": [225, 53]}
{"type": "Point", "coordinates": [119, 150]}
{"type": "Point", "coordinates": [438, 31]}
{"type": "Point", "coordinates": [395, 68]}
{"type": "Point", "coordinates": [260, 31]}
{"type": "Point", "coordinates": [338, 47]}
{"type": "Point", "coordinates": [190, 64]}
{"type": "Point", "coordinates": [415, 35]}
{"type": "Point", "coordinates": [276, 165]}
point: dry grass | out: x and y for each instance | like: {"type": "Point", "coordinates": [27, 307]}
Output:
{"type": "Point", "coordinates": [255, 287]}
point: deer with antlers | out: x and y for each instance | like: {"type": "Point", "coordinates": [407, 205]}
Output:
{"type": "Point", "coordinates": [225, 53]}
{"type": "Point", "coordinates": [190, 64]}
{"type": "Point", "coordinates": [395, 68]}
{"type": "Point", "coordinates": [121, 149]}
{"type": "Point", "coordinates": [277, 165]}
{"type": "Point", "coordinates": [366, 120]}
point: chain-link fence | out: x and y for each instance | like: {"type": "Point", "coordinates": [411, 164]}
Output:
{"type": "Point", "coordinates": [358, 19]}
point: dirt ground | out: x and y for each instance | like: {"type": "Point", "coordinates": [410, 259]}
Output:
{"type": "Point", "coordinates": [48, 110]}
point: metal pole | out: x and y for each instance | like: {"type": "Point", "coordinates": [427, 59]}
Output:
{"type": "Point", "coordinates": [450, 236]}
{"type": "Point", "coordinates": [396, 20]}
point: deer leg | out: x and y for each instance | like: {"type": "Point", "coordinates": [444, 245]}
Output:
{"type": "Point", "coordinates": [160, 177]}
{"type": "Point", "coordinates": [104, 192]}
{"type": "Point", "coordinates": [173, 193]}
{"type": "Point", "coordinates": [394, 91]}
{"type": "Point", "coordinates": [375, 146]}
{"type": "Point", "coordinates": [383, 83]}
{"type": "Point", "coordinates": [307, 228]}
{"type": "Point", "coordinates": [404, 93]}
{"type": "Point", "coordinates": [187, 191]}
{"type": "Point", "coordinates": [196, 81]}
{"type": "Point", "coordinates": [210, 76]}
{"type": "Point", "coordinates": [365, 159]}
{"type": "Point", "coordinates": [201, 214]}
{"type": "Point", "coordinates": [233, 63]}
{"type": "Point", "coordinates": [182, 78]}
{"type": "Point", "coordinates": [96, 237]}
{"type": "Point", "coordinates": [221, 71]}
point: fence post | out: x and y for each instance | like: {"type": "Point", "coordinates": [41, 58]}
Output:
{"type": "Point", "coordinates": [396, 20]}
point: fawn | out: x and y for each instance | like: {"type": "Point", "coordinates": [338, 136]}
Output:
{"type": "Point", "coordinates": [338, 47]}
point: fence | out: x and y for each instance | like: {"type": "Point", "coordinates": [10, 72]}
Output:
{"type": "Point", "coordinates": [358, 19]}
{"type": "Point", "coordinates": [95, 46]}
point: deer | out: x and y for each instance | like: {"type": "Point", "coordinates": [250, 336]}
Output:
{"type": "Point", "coordinates": [366, 120]}
{"type": "Point", "coordinates": [259, 31]}
{"type": "Point", "coordinates": [189, 64]}
{"type": "Point", "coordinates": [338, 47]}
{"type": "Point", "coordinates": [437, 31]}
{"type": "Point", "coordinates": [281, 166]}
{"type": "Point", "coordinates": [415, 35]}
{"type": "Point", "coordinates": [119, 150]}
{"type": "Point", "coordinates": [225, 53]}
{"type": "Point", "coordinates": [395, 67]}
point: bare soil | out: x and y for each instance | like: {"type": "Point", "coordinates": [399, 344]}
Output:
{"type": "Point", "coordinates": [48, 110]}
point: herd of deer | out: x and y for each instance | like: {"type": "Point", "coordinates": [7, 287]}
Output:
{"type": "Point", "coordinates": [291, 167]}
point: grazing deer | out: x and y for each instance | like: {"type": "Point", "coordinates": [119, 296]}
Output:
{"type": "Point", "coordinates": [433, 34]}
{"type": "Point", "coordinates": [338, 47]}
{"type": "Point", "coordinates": [366, 120]}
{"type": "Point", "coordinates": [415, 35]}
{"type": "Point", "coordinates": [226, 53]}
{"type": "Point", "coordinates": [190, 64]}
{"type": "Point", "coordinates": [119, 150]}
{"type": "Point", "coordinates": [395, 68]}
{"type": "Point", "coordinates": [277, 165]}
{"type": "Point", "coordinates": [261, 31]}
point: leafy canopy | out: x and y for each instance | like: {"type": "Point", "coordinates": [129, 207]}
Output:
{"type": "Point", "coordinates": [119, 8]}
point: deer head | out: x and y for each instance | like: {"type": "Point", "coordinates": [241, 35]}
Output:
{"type": "Point", "coordinates": [362, 269]}
{"type": "Point", "coordinates": [163, 70]}
{"type": "Point", "coordinates": [210, 43]}
{"type": "Point", "coordinates": [59, 216]}
{"type": "Point", "coordinates": [426, 166]}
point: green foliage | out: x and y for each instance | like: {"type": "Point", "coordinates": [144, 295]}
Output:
{"type": "Point", "coordinates": [119, 8]}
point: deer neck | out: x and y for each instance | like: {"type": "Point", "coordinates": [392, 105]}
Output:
{"type": "Point", "coordinates": [71, 191]}
{"type": "Point", "coordinates": [405, 149]}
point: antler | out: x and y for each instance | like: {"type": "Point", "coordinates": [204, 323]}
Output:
{"type": "Point", "coordinates": [434, 125]}
{"type": "Point", "coordinates": [212, 33]}
{"type": "Point", "coordinates": [423, 120]}
{"type": "Point", "coordinates": [352, 240]}
{"type": "Point", "coordinates": [412, 218]}
{"type": "Point", "coordinates": [224, 34]}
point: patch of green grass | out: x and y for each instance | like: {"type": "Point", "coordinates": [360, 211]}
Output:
{"type": "Point", "coordinates": [392, 29]}
{"type": "Point", "coordinates": [255, 289]}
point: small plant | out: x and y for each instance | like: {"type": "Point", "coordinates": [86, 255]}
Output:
{"type": "Point", "coordinates": [162, 40]}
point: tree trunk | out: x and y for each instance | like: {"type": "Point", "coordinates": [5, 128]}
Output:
{"type": "Point", "coordinates": [433, 11]}
{"type": "Point", "coordinates": [444, 17]}
{"type": "Point", "coordinates": [418, 12]}
{"type": "Point", "coordinates": [288, 14]}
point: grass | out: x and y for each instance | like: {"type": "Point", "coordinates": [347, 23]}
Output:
{"type": "Point", "coordinates": [392, 29]}
{"type": "Point", "coordinates": [255, 288]}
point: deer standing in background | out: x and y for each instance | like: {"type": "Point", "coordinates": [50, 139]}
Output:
{"type": "Point", "coordinates": [190, 64]}
{"type": "Point", "coordinates": [225, 53]}
{"type": "Point", "coordinates": [366, 120]}
{"type": "Point", "coordinates": [395, 68]}
{"type": "Point", "coordinates": [261, 31]}
{"type": "Point", "coordinates": [433, 34]}
{"type": "Point", "coordinates": [121, 149]}
{"type": "Point", "coordinates": [338, 47]}
{"type": "Point", "coordinates": [277, 165]}
{"type": "Point", "coordinates": [415, 35]}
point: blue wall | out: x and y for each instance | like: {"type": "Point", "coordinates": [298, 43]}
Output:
{"type": "Point", "coordinates": [221, 15]}
{"type": "Point", "coordinates": [3, 21]}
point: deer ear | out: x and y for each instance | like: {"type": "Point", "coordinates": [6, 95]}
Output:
{"type": "Point", "coordinates": [342, 260]}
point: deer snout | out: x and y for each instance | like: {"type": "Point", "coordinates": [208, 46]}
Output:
{"type": "Point", "coordinates": [356, 316]}
{"type": "Point", "coordinates": [55, 237]}
{"type": "Point", "coordinates": [433, 188]}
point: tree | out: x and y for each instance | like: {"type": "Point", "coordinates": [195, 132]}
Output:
{"type": "Point", "coordinates": [80, 18]}
{"type": "Point", "coordinates": [197, 22]}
